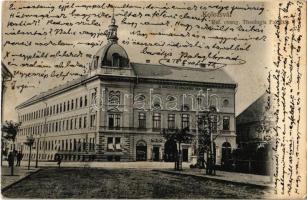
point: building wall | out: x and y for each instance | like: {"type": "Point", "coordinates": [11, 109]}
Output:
{"type": "Point", "coordinates": [71, 142]}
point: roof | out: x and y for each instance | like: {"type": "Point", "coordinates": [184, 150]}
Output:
{"type": "Point", "coordinates": [153, 72]}
{"type": "Point", "coordinates": [254, 112]}
{"type": "Point", "coordinates": [54, 90]}
{"type": "Point", "coordinates": [5, 71]}
{"type": "Point", "coordinates": [105, 53]}
{"type": "Point", "coordinates": [165, 72]}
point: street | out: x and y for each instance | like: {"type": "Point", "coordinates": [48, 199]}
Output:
{"type": "Point", "coordinates": [123, 183]}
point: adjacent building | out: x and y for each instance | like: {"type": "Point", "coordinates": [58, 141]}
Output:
{"type": "Point", "coordinates": [116, 112]}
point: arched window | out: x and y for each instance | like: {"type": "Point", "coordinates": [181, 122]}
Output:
{"type": "Point", "coordinates": [139, 102]}
{"type": "Point", "coordinates": [157, 106]}
{"type": "Point", "coordinates": [114, 98]}
{"type": "Point", "coordinates": [185, 107]}
{"type": "Point", "coordinates": [115, 60]}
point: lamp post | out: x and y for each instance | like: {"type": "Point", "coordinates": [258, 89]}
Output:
{"type": "Point", "coordinates": [29, 142]}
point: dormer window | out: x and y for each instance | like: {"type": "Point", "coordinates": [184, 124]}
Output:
{"type": "Point", "coordinates": [115, 60]}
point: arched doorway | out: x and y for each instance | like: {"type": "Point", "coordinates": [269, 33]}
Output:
{"type": "Point", "coordinates": [141, 151]}
{"type": "Point", "coordinates": [226, 154]}
{"type": "Point", "coordinates": [170, 151]}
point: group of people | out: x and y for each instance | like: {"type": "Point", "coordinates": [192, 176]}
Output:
{"type": "Point", "coordinates": [11, 158]}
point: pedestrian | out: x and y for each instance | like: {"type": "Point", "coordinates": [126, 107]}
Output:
{"type": "Point", "coordinates": [11, 159]}
{"type": "Point", "coordinates": [59, 159]}
{"type": "Point", "coordinates": [19, 158]}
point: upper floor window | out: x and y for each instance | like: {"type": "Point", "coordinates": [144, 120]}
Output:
{"type": "Point", "coordinates": [225, 102]}
{"type": "Point", "coordinates": [171, 121]}
{"type": "Point", "coordinates": [93, 120]}
{"type": "Point", "coordinates": [185, 121]}
{"type": "Point", "coordinates": [185, 107]}
{"type": "Point", "coordinates": [142, 120]}
{"type": "Point", "coordinates": [114, 98]}
{"type": "Point", "coordinates": [94, 94]}
{"type": "Point", "coordinates": [139, 102]}
{"type": "Point", "coordinates": [114, 120]}
{"type": "Point", "coordinates": [157, 106]}
{"type": "Point", "coordinates": [156, 121]}
{"type": "Point", "coordinates": [68, 106]}
{"type": "Point", "coordinates": [84, 122]}
{"type": "Point", "coordinates": [226, 123]}
{"type": "Point", "coordinates": [81, 102]}
{"type": "Point", "coordinates": [85, 100]}
{"type": "Point", "coordinates": [72, 104]}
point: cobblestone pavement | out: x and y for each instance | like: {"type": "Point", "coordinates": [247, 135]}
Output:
{"type": "Point", "coordinates": [124, 183]}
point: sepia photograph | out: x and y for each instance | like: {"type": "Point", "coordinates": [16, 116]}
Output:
{"type": "Point", "coordinates": [153, 100]}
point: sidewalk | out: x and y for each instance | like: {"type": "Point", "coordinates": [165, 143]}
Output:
{"type": "Point", "coordinates": [110, 165]}
{"type": "Point", "coordinates": [19, 174]}
{"type": "Point", "coordinates": [231, 177]}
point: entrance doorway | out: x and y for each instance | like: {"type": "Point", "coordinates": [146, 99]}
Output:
{"type": "Point", "coordinates": [185, 155]}
{"type": "Point", "coordinates": [156, 153]}
{"type": "Point", "coordinates": [170, 151]}
{"type": "Point", "coordinates": [141, 151]}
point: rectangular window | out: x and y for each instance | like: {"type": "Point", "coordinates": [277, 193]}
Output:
{"type": "Point", "coordinates": [226, 122]}
{"type": "Point", "coordinates": [142, 120]}
{"type": "Point", "coordinates": [114, 121]}
{"type": "Point", "coordinates": [76, 104]}
{"type": "Point", "coordinates": [68, 107]}
{"type": "Point", "coordinates": [93, 96]}
{"type": "Point", "coordinates": [85, 100]}
{"type": "Point", "coordinates": [80, 122]}
{"type": "Point", "coordinates": [185, 121]}
{"type": "Point", "coordinates": [171, 121]}
{"type": "Point", "coordinates": [64, 107]}
{"type": "Point", "coordinates": [72, 104]}
{"type": "Point", "coordinates": [56, 126]}
{"type": "Point", "coordinates": [71, 123]}
{"type": "Point", "coordinates": [60, 108]}
{"type": "Point", "coordinates": [93, 120]}
{"type": "Point", "coordinates": [156, 121]}
{"type": "Point", "coordinates": [84, 122]}
{"type": "Point", "coordinates": [110, 144]}
{"type": "Point", "coordinates": [81, 102]}
{"type": "Point", "coordinates": [117, 143]}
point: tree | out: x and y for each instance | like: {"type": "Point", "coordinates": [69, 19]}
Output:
{"type": "Point", "coordinates": [208, 123]}
{"type": "Point", "coordinates": [9, 132]}
{"type": "Point", "coordinates": [29, 142]}
{"type": "Point", "coordinates": [179, 136]}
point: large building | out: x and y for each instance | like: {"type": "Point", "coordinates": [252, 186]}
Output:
{"type": "Point", "coordinates": [117, 110]}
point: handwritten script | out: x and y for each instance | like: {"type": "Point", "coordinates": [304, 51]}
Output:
{"type": "Point", "coordinates": [57, 40]}
{"type": "Point", "coordinates": [285, 87]}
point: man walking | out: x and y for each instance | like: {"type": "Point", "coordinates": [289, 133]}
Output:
{"type": "Point", "coordinates": [19, 158]}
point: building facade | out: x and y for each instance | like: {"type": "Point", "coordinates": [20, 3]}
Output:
{"type": "Point", "coordinates": [116, 112]}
